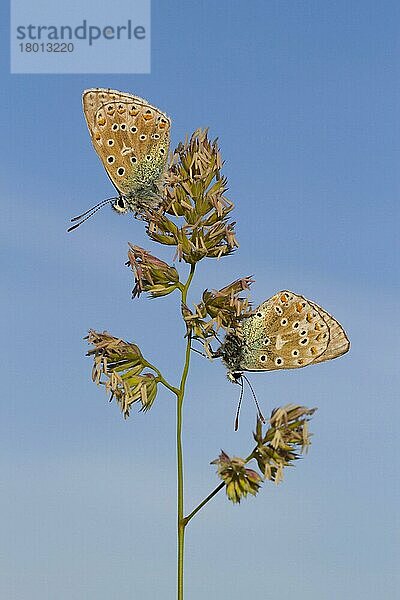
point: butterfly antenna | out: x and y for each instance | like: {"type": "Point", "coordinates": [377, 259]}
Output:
{"type": "Point", "coordinates": [98, 205]}
{"type": "Point", "coordinates": [260, 415]}
{"type": "Point", "coordinates": [239, 404]}
{"type": "Point", "coordinates": [89, 213]}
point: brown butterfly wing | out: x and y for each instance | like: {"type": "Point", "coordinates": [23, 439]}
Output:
{"type": "Point", "coordinates": [126, 131]}
{"type": "Point", "coordinates": [288, 332]}
{"type": "Point", "coordinates": [339, 343]}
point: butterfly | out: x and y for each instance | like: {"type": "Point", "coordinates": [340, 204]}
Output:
{"type": "Point", "coordinates": [131, 138]}
{"type": "Point", "coordinates": [286, 331]}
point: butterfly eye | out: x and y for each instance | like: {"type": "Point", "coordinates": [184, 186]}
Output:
{"type": "Point", "coordinates": [279, 361]}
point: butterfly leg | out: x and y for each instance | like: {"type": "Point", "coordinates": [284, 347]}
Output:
{"type": "Point", "coordinates": [198, 352]}
{"type": "Point", "coordinates": [209, 352]}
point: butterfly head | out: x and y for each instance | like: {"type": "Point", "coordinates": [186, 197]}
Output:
{"type": "Point", "coordinates": [120, 205]}
{"type": "Point", "coordinates": [235, 376]}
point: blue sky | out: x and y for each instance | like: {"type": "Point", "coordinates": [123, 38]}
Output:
{"type": "Point", "coordinates": [303, 98]}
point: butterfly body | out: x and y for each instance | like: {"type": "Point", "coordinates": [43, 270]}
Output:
{"type": "Point", "coordinates": [285, 332]}
{"type": "Point", "coordinates": [142, 196]}
{"type": "Point", "coordinates": [131, 138]}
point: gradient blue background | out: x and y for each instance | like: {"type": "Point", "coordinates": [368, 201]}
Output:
{"type": "Point", "coordinates": [303, 97]}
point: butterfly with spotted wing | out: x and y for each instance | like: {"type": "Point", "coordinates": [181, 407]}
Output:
{"type": "Point", "coordinates": [285, 332]}
{"type": "Point", "coordinates": [131, 138]}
